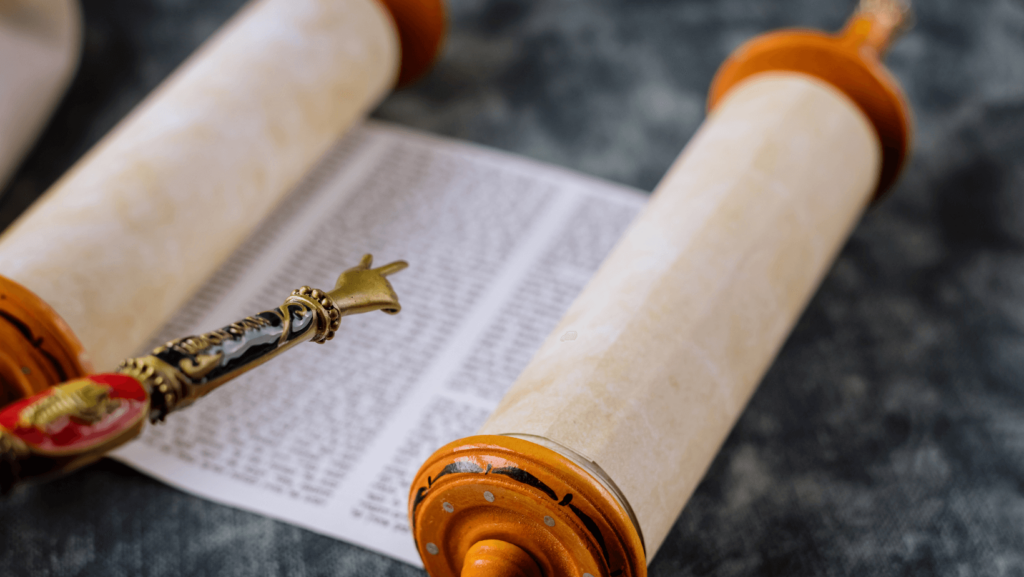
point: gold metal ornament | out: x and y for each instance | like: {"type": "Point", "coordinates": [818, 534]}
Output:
{"type": "Point", "coordinates": [83, 400]}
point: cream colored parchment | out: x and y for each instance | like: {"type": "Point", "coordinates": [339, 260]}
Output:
{"type": "Point", "coordinates": [130, 232]}
{"type": "Point", "coordinates": [680, 323]}
{"type": "Point", "coordinates": [40, 41]}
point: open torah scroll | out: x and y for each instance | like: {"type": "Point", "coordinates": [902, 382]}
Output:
{"type": "Point", "coordinates": [330, 438]}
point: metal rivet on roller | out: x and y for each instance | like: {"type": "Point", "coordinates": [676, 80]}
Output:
{"type": "Point", "coordinates": [448, 508]}
{"type": "Point", "coordinates": [489, 496]}
{"type": "Point", "coordinates": [550, 522]}
{"type": "Point", "coordinates": [432, 549]}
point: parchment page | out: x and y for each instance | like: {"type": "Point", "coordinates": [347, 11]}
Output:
{"type": "Point", "coordinates": [328, 437]}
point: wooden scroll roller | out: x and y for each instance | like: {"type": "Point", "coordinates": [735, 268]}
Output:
{"type": "Point", "coordinates": [587, 462]}
{"type": "Point", "coordinates": [99, 263]}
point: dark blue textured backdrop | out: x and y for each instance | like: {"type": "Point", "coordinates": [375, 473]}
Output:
{"type": "Point", "coordinates": [888, 438]}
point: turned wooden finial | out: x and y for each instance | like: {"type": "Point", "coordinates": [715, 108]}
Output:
{"type": "Point", "coordinates": [494, 558]}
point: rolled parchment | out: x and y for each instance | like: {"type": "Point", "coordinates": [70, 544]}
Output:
{"type": "Point", "coordinates": [40, 41]}
{"type": "Point", "coordinates": [135, 227]}
{"type": "Point", "coordinates": [653, 363]}
{"type": "Point", "coordinates": [592, 454]}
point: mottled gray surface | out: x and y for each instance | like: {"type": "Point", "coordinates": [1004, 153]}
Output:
{"type": "Point", "coordinates": [888, 438]}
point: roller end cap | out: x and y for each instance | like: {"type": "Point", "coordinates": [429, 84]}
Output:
{"type": "Point", "coordinates": [850, 61]}
{"type": "Point", "coordinates": [421, 31]}
{"type": "Point", "coordinates": [37, 348]}
{"type": "Point", "coordinates": [496, 501]}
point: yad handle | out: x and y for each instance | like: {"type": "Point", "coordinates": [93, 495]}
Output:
{"type": "Point", "coordinates": [181, 371]}
{"type": "Point", "coordinates": [77, 422]}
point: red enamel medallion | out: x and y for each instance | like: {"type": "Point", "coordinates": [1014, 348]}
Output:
{"type": "Point", "coordinates": [77, 415]}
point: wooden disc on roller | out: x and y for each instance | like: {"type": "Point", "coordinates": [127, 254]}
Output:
{"type": "Point", "coordinates": [37, 348]}
{"type": "Point", "coordinates": [497, 505]}
{"type": "Point", "coordinates": [849, 61]}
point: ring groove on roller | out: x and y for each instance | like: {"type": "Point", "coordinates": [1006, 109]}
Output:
{"type": "Point", "coordinates": [528, 496]}
{"type": "Point", "coordinates": [594, 470]}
